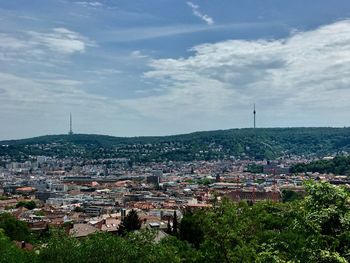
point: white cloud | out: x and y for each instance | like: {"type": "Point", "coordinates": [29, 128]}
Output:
{"type": "Point", "coordinates": [45, 48]}
{"type": "Point", "coordinates": [105, 72]}
{"type": "Point", "coordinates": [61, 40]}
{"type": "Point", "coordinates": [89, 4]}
{"type": "Point", "coordinates": [303, 79]}
{"type": "Point", "coordinates": [11, 43]}
{"type": "Point", "coordinates": [138, 54]}
{"type": "Point", "coordinates": [25, 92]}
{"type": "Point", "coordinates": [197, 13]}
{"type": "Point", "coordinates": [152, 32]}
{"type": "Point", "coordinates": [306, 73]}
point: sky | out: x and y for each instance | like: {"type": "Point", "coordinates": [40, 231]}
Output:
{"type": "Point", "coordinates": [160, 67]}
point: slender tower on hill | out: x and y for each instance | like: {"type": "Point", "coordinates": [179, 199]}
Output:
{"type": "Point", "coordinates": [70, 125]}
{"type": "Point", "coordinates": [254, 112]}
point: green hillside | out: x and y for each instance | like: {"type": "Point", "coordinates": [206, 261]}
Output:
{"type": "Point", "coordinates": [269, 143]}
{"type": "Point", "coordinates": [340, 165]}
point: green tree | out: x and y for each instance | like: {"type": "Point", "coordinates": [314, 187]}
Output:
{"type": "Point", "coordinates": [175, 225]}
{"type": "Point", "coordinates": [327, 208]}
{"type": "Point", "coordinates": [168, 230]}
{"type": "Point", "coordinates": [9, 252]}
{"type": "Point", "coordinates": [254, 168]}
{"type": "Point", "coordinates": [61, 248]}
{"type": "Point", "coordinates": [13, 228]}
{"type": "Point", "coordinates": [130, 223]}
{"type": "Point", "coordinates": [290, 195]}
{"type": "Point", "coordinates": [27, 204]}
{"type": "Point", "coordinates": [191, 229]}
{"type": "Point", "coordinates": [104, 247]}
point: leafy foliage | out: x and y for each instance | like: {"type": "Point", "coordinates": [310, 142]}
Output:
{"type": "Point", "coordinates": [14, 229]}
{"type": "Point", "coordinates": [338, 165]}
{"type": "Point", "coordinates": [27, 204]}
{"type": "Point", "coordinates": [130, 223]}
{"type": "Point", "coordinates": [254, 168]}
{"type": "Point", "coordinates": [175, 224]}
{"type": "Point", "coordinates": [310, 230]}
{"type": "Point", "coordinates": [290, 195]}
{"type": "Point", "coordinates": [11, 253]}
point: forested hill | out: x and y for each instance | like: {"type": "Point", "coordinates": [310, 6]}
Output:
{"type": "Point", "coordinates": [266, 143]}
{"type": "Point", "coordinates": [340, 165]}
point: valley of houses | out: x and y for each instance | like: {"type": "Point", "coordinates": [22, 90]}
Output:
{"type": "Point", "coordinates": [85, 197]}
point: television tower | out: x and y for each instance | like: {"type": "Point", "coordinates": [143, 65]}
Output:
{"type": "Point", "coordinates": [70, 125]}
{"type": "Point", "coordinates": [254, 112]}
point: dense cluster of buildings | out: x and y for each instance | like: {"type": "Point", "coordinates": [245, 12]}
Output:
{"type": "Point", "coordinates": [96, 195]}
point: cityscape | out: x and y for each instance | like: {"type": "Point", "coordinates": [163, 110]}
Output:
{"type": "Point", "coordinates": [174, 131]}
{"type": "Point", "coordinates": [84, 195]}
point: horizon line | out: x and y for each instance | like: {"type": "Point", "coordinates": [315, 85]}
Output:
{"type": "Point", "coordinates": [179, 134]}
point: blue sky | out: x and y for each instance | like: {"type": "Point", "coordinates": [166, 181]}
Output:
{"type": "Point", "coordinates": [158, 67]}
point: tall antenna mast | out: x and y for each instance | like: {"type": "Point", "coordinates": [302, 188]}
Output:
{"type": "Point", "coordinates": [70, 125]}
{"type": "Point", "coordinates": [254, 112]}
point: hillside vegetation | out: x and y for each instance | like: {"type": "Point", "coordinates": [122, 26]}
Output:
{"type": "Point", "coordinates": [340, 165]}
{"type": "Point", "coordinates": [222, 144]}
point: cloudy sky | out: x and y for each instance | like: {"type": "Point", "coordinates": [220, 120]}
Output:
{"type": "Point", "coordinates": [157, 67]}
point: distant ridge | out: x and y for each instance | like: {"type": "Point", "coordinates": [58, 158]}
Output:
{"type": "Point", "coordinates": [268, 143]}
{"type": "Point", "coordinates": [44, 138]}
